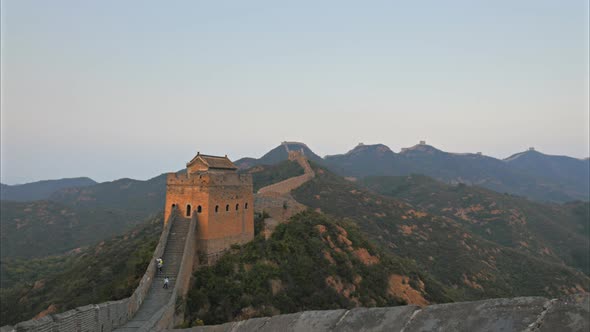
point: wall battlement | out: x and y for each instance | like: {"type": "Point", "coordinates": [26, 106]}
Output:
{"type": "Point", "coordinates": [208, 179]}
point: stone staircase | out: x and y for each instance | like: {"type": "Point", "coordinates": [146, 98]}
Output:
{"type": "Point", "coordinates": [158, 296]}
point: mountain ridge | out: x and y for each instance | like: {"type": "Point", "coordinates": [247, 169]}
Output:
{"type": "Point", "coordinates": [38, 190]}
{"type": "Point", "coordinates": [471, 168]}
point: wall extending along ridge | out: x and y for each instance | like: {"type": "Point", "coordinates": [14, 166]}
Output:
{"type": "Point", "coordinates": [571, 313]}
{"type": "Point", "coordinates": [290, 184]}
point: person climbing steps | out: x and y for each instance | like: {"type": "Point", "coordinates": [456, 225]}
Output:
{"type": "Point", "coordinates": [160, 263]}
{"type": "Point", "coordinates": [166, 281]}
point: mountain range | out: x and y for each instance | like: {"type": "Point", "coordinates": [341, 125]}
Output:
{"type": "Point", "coordinates": [531, 174]}
{"type": "Point", "coordinates": [76, 206]}
{"type": "Point", "coordinates": [41, 189]}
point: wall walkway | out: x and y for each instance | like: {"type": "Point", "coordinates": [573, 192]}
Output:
{"type": "Point", "coordinates": [285, 186]}
{"type": "Point", "coordinates": [150, 307]}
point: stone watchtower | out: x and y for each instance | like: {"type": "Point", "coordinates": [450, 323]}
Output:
{"type": "Point", "coordinates": [218, 197]}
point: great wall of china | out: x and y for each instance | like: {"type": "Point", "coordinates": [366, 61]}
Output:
{"type": "Point", "coordinates": [286, 186]}
{"type": "Point", "coordinates": [152, 308]}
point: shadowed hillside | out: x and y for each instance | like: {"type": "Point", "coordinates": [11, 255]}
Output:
{"type": "Point", "coordinates": [572, 173]}
{"type": "Point", "coordinates": [108, 271]}
{"type": "Point", "coordinates": [510, 176]}
{"type": "Point", "coordinates": [40, 190]}
{"type": "Point", "coordinates": [40, 228]}
{"type": "Point", "coordinates": [144, 197]}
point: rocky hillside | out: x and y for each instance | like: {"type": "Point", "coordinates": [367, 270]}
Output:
{"type": "Point", "coordinates": [107, 271]}
{"type": "Point", "coordinates": [558, 232]}
{"type": "Point", "coordinates": [473, 266]}
{"type": "Point", "coordinates": [311, 262]}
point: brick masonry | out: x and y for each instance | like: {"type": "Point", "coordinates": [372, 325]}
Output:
{"type": "Point", "coordinates": [222, 203]}
{"type": "Point", "coordinates": [285, 186]}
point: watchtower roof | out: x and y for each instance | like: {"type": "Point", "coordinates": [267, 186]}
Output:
{"type": "Point", "coordinates": [213, 162]}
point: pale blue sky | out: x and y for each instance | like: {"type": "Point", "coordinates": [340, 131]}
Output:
{"type": "Point", "coordinates": [111, 89]}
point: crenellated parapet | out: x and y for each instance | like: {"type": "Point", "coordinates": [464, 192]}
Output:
{"type": "Point", "coordinates": [218, 197]}
{"type": "Point", "coordinates": [209, 179]}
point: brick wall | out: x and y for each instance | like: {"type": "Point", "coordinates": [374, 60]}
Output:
{"type": "Point", "coordinates": [167, 317]}
{"type": "Point", "coordinates": [226, 202]}
{"type": "Point", "coordinates": [290, 184]}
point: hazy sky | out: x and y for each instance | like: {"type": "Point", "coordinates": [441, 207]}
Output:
{"type": "Point", "coordinates": [111, 89]}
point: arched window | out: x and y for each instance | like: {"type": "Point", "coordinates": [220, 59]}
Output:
{"type": "Point", "coordinates": [246, 206]}
{"type": "Point", "coordinates": [173, 206]}
{"type": "Point", "coordinates": [199, 209]}
{"type": "Point", "coordinates": [227, 208]}
{"type": "Point", "coordinates": [188, 210]}
{"type": "Point", "coordinates": [216, 208]}
{"type": "Point", "coordinates": [237, 207]}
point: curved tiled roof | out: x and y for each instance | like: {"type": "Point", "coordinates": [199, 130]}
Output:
{"type": "Point", "coordinates": [213, 162]}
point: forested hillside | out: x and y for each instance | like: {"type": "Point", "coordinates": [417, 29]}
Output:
{"type": "Point", "coordinates": [472, 265]}
{"type": "Point", "coordinates": [41, 189]}
{"type": "Point", "coordinates": [41, 228]}
{"type": "Point", "coordinates": [311, 262]}
{"type": "Point", "coordinates": [545, 230]}
{"type": "Point", "coordinates": [110, 270]}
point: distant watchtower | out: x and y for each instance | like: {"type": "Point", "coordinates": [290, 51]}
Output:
{"type": "Point", "coordinates": [218, 197]}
